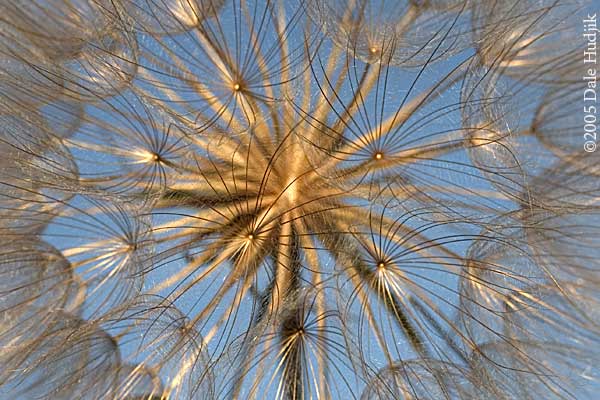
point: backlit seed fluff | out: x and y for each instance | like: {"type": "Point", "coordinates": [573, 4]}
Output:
{"type": "Point", "coordinates": [299, 199]}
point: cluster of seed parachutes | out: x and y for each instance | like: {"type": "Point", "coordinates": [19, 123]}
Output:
{"type": "Point", "coordinates": [299, 199]}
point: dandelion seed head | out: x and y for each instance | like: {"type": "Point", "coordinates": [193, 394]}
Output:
{"type": "Point", "coordinates": [375, 199]}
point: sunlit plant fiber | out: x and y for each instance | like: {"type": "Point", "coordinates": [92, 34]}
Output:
{"type": "Point", "coordinates": [296, 199]}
